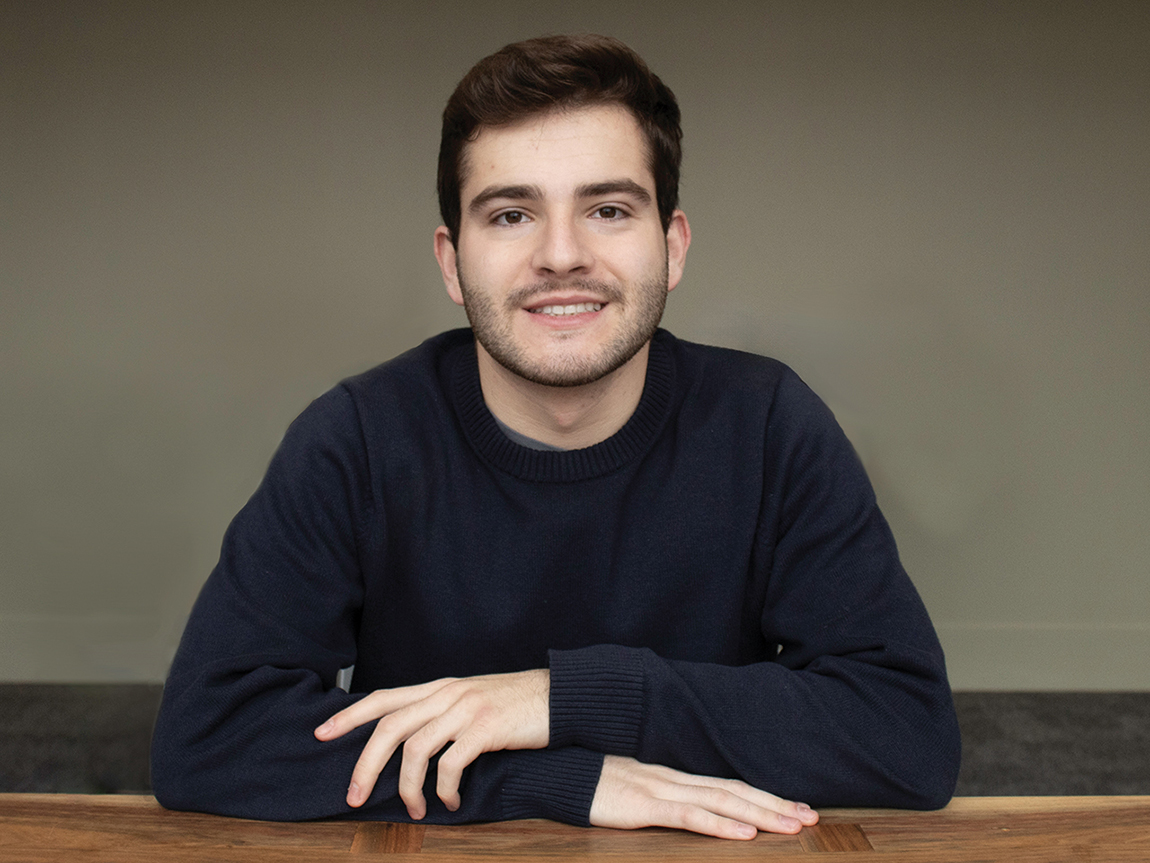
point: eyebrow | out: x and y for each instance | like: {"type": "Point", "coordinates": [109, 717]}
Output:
{"type": "Point", "coordinates": [515, 193]}
{"type": "Point", "coordinates": [525, 192]}
{"type": "Point", "coordinates": [614, 187]}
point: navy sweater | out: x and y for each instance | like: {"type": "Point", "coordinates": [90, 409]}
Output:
{"type": "Point", "coordinates": [713, 588]}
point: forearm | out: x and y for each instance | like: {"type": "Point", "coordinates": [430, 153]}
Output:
{"type": "Point", "coordinates": [841, 731]}
{"type": "Point", "coordinates": [243, 744]}
{"type": "Point", "coordinates": [246, 693]}
{"type": "Point", "coordinates": [238, 742]}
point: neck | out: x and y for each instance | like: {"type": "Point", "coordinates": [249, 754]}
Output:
{"type": "Point", "coordinates": [566, 417]}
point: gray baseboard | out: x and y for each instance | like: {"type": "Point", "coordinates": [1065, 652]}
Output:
{"type": "Point", "coordinates": [1039, 743]}
{"type": "Point", "coordinates": [89, 738]}
{"type": "Point", "coordinates": [93, 739]}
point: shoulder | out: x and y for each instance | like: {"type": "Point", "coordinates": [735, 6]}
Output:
{"type": "Point", "coordinates": [415, 371]}
{"type": "Point", "coordinates": [718, 364]}
{"type": "Point", "coordinates": [404, 391]}
{"type": "Point", "coordinates": [715, 375]}
{"type": "Point", "coordinates": [410, 388]}
{"type": "Point", "coordinates": [760, 404]}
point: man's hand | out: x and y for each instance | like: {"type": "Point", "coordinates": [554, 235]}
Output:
{"type": "Point", "coordinates": [631, 794]}
{"type": "Point", "coordinates": [480, 714]}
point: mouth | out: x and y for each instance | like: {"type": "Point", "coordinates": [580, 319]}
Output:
{"type": "Point", "coordinates": [557, 310]}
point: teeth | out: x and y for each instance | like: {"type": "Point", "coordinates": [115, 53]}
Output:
{"type": "Point", "coordinates": [577, 309]}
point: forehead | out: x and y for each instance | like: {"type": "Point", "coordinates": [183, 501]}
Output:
{"type": "Point", "coordinates": [559, 149]}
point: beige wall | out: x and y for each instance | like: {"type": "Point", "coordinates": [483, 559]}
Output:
{"type": "Point", "coordinates": [937, 213]}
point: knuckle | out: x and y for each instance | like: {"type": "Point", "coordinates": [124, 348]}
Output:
{"type": "Point", "coordinates": [465, 750]}
{"type": "Point", "coordinates": [473, 702]}
{"type": "Point", "coordinates": [697, 820]}
{"type": "Point", "coordinates": [410, 784]}
{"type": "Point", "coordinates": [410, 781]}
{"type": "Point", "coordinates": [455, 758]}
{"type": "Point", "coordinates": [418, 746]}
{"type": "Point", "coordinates": [446, 782]}
{"type": "Point", "coordinates": [675, 814]}
{"type": "Point", "coordinates": [377, 749]}
{"type": "Point", "coordinates": [456, 687]}
{"type": "Point", "coordinates": [411, 798]}
{"type": "Point", "coordinates": [447, 773]}
{"type": "Point", "coordinates": [388, 726]}
{"type": "Point", "coordinates": [714, 796]}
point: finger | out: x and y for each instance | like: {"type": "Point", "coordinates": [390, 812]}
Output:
{"type": "Point", "coordinates": [698, 819]}
{"type": "Point", "coordinates": [726, 804]}
{"type": "Point", "coordinates": [449, 771]}
{"type": "Point", "coordinates": [412, 772]}
{"type": "Point", "coordinates": [800, 812]}
{"type": "Point", "coordinates": [418, 751]}
{"type": "Point", "coordinates": [734, 800]}
{"type": "Point", "coordinates": [755, 797]}
{"type": "Point", "coordinates": [391, 731]}
{"type": "Point", "coordinates": [806, 815]}
{"type": "Point", "coordinates": [370, 764]}
{"type": "Point", "coordinates": [375, 705]}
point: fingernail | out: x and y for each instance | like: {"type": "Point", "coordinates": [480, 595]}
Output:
{"type": "Point", "coordinates": [789, 822]}
{"type": "Point", "coordinates": [746, 831]}
{"type": "Point", "coordinates": [353, 794]}
{"type": "Point", "coordinates": [804, 809]}
{"type": "Point", "coordinates": [325, 728]}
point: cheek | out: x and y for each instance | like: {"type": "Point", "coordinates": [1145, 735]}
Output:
{"type": "Point", "coordinates": [487, 263]}
{"type": "Point", "coordinates": [643, 261]}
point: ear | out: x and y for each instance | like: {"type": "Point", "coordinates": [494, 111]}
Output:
{"type": "Point", "coordinates": [448, 260]}
{"type": "Point", "coordinates": [678, 240]}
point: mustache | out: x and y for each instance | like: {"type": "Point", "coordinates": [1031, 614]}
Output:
{"type": "Point", "coordinates": [606, 291]}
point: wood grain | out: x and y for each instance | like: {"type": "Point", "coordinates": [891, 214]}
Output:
{"type": "Point", "coordinates": [37, 828]}
{"type": "Point", "coordinates": [380, 837]}
{"type": "Point", "coordinates": [1016, 829]}
{"type": "Point", "coordinates": [523, 840]}
{"type": "Point", "coordinates": [91, 822]}
{"type": "Point", "coordinates": [834, 837]}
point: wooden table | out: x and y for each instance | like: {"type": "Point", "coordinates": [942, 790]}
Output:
{"type": "Point", "coordinates": [127, 829]}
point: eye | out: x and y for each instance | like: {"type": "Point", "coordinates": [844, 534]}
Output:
{"type": "Point", "coordinates": [609, 213]}
{"type": "Point", "coordinates": [510, 217]}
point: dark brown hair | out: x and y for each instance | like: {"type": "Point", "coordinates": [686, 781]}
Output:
{"type": "Point", "coordinates": [557, 72]}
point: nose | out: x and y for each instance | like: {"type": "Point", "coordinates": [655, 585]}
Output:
{"type": "Point", "coordinates": [562, 249]}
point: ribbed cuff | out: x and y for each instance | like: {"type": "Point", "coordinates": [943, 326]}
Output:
{"type": "Point", "coordinates": [597, 698]}
{"type": "Point", "coordinates": [559, 784]}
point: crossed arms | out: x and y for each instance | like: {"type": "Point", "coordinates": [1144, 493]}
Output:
{"type": "Point", "coordinates": [510, 711]}
{"type": "Point", "coordinates": [796, 659]}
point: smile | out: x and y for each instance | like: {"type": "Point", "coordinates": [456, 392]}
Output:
{"type": "Point", "coordinates": [576, 309]}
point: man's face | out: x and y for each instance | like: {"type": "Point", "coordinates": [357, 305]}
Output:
{"type": "Point", "coordinates": [562, 264]}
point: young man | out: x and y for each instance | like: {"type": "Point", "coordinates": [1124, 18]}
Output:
{"type": "Point", "coordinates": [584, 571]}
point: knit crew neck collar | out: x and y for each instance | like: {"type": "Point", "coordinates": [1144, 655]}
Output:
{"type": "Point", "coordinates": [634, 438]}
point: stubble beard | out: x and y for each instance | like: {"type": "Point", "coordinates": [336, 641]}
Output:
{"type": "Point", "coordinates": [492, 329]}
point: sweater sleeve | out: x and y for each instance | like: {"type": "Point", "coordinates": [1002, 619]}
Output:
{"type": "Point", "coordinates": [850, 707]}
{"type": "Point", "coordinates": [255, 671]}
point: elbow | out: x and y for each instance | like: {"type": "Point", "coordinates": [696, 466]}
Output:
{"type": "Point", "coordinates": [184, 783]}
{"type": "Point", "coordinates": [930, 778]}
{"type": "Point", "coordinates": [914, 765]}
{"type": "Point", "coordinates": [940, 792]}
{"type": "Point", "coordinates": [180, 775]}
{"type": "Point", "coordinates": [170, 778]}
{"type": "Point", "coordinates": [931, 795]}
{"type": "Point", "coordinates": [170, 794]}
{"type": "Point", "coordinates": [925, 751]}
